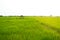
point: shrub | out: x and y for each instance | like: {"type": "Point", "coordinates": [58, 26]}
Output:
{"type": "Point", "coordinates": [21, 16]}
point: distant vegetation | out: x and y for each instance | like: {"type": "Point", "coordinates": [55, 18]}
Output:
{"type": "Point", "coordinates": [29, 28]}
{"type": "Point", "coordinates": [21, 16]}
{"type": "Point", "coordinates": [1, 15]}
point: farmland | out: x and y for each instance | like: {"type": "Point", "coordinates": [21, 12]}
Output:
{"type": "Point", "coordinates": [29, 28]}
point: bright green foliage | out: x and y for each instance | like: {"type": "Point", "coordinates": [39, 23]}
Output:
{"type": "Point", "coordinates": [29, 28]}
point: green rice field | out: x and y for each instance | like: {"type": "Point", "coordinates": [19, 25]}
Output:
{"type": "Point", "coordinates": [29, 28]}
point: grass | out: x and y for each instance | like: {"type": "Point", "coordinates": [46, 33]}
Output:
{"type": "Point", "coordinates": [29, 28]}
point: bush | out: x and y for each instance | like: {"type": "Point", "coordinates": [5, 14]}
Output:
{"type": "Point", "coordinates": [21, 16]}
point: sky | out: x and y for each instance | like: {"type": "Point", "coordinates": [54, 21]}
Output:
{"type": "Point", "coordinates": [30, 7]}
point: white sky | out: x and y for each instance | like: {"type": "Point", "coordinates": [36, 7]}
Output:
{"type": "Point", "coordinates": [30, 7]}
